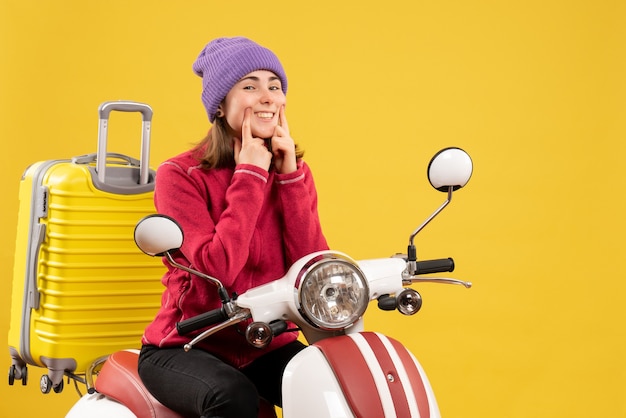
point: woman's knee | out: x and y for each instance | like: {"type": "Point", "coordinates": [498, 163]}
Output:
{"type": "Point", "coordinates": [235, 396]}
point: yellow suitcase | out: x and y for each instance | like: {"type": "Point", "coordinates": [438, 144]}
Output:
{"type": "Point", "coordinates": [81, 288]}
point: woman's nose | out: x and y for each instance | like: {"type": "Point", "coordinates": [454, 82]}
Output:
{"type": "Point", "coordinates": [266, 96]}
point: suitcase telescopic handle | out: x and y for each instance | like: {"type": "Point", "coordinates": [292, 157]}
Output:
{"type": "Point", "coordinates": [104, 112]}
{"type": "Point", "coordinates": [125, 106]}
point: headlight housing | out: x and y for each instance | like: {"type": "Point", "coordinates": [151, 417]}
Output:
{"type": "Point", "coordinates": [332, 292]}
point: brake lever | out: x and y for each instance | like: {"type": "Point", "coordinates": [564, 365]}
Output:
{"type": "Point", "coordinates": [235, 319]}
{"type": "Point", "coordinates": [409, 279]}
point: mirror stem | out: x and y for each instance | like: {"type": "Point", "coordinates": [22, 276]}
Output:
{"type": "Point", "coordinates": [411, 251]}
{"type": "Point", "coordinates": [431, 217]}
{"type": "Point", "coordinates": [221, 289]}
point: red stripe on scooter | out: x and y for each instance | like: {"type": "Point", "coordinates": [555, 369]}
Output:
{"type": "Point", "coordinates": [353, 375]}
{"type": "Point", "coordinates": [396, 388]}
{"type": "Point", "coordinates": [419, 391]}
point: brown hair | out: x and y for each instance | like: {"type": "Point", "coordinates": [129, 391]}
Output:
{"type": "Point", "coordinates": [216, 149]}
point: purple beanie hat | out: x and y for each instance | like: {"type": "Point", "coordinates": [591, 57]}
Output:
{"type": "Point", "coordinates": [225, 61]}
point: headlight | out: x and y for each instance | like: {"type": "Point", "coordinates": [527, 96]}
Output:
{"type": "Point", "coordinates": [332, 292]}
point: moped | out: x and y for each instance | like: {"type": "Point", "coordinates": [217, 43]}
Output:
{"type": "Point", "coordinates": [344, 371]}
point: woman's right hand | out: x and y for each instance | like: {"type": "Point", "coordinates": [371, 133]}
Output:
{"type": "Point", "coordinates": [251, 150]}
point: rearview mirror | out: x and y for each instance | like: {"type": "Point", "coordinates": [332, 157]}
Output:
{"type": "Point", "coordinates": [157, 234]}
{"type": "Point", "coordinates": [450, 167]}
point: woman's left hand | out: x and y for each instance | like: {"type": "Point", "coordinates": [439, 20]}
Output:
{"type": "Point", "coordinates": [283, 146]}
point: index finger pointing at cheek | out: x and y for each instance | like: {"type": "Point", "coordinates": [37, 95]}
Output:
{"type": "Point", "coordinates": [283, 118]}
{"type": "Point", "coordinates": [246, 130]}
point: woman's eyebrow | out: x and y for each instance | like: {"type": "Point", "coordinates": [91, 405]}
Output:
{"type": "Point", "coordinates": [255, 78]}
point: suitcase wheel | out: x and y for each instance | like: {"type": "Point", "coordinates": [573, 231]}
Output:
{"type": "Point", "coordinates": [12, 375]}
{"type": "Point", "coordinates": [46, 385]}
{"type": "Point", "coordinates": [58, 388]}
{"type": "Point", "coordinates": [18, 373]}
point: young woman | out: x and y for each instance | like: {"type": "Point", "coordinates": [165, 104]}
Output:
{"type": "Point", "coordinates": [248, 207]}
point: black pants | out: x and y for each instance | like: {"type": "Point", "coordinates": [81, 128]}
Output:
{"type": "Point", "coordinates": [196, 383]}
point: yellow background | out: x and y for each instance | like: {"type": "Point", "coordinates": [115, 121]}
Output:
{"type": "Point", "coordinates": [534, 90]}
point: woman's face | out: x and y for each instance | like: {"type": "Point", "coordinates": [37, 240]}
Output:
{"type": "Point", "coordinates": [261, 91]}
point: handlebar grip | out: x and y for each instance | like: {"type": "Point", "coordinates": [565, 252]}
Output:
{"type": "Point", "coordinates": [201, 321]}
{"type": "Point", "coordinates": [435, 266]}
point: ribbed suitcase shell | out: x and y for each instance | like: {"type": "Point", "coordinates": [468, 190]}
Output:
{"type": "Point", "coordinates": [81, 287]}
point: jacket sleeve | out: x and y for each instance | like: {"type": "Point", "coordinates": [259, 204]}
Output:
{"type": "Point", "coordinates": [219, 247]}
{"type": "Point", "coordinates": [302, 230]}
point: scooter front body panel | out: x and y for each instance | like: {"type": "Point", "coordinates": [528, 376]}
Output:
{"type": "Point", "coordinates": [358, 375]}
{"type": "Point", "coordinates": [310, 388]}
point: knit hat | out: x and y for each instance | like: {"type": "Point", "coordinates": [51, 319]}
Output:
{"type": "Point", "coordinates": [225, 61]}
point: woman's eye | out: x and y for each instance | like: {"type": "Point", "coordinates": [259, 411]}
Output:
{"type": "Point", "coordinates": [248, 87]}
{"type": "Point", "coordinates": [274, 87]}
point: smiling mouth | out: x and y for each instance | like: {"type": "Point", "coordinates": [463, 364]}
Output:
{"type": "Point", "coordinates": [265, 115]}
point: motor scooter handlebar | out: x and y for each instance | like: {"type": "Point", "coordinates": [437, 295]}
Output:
{"type": "Point", "coordinates": [201, 321]}
{"type": "Point", "coordinates": [441, 265]}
